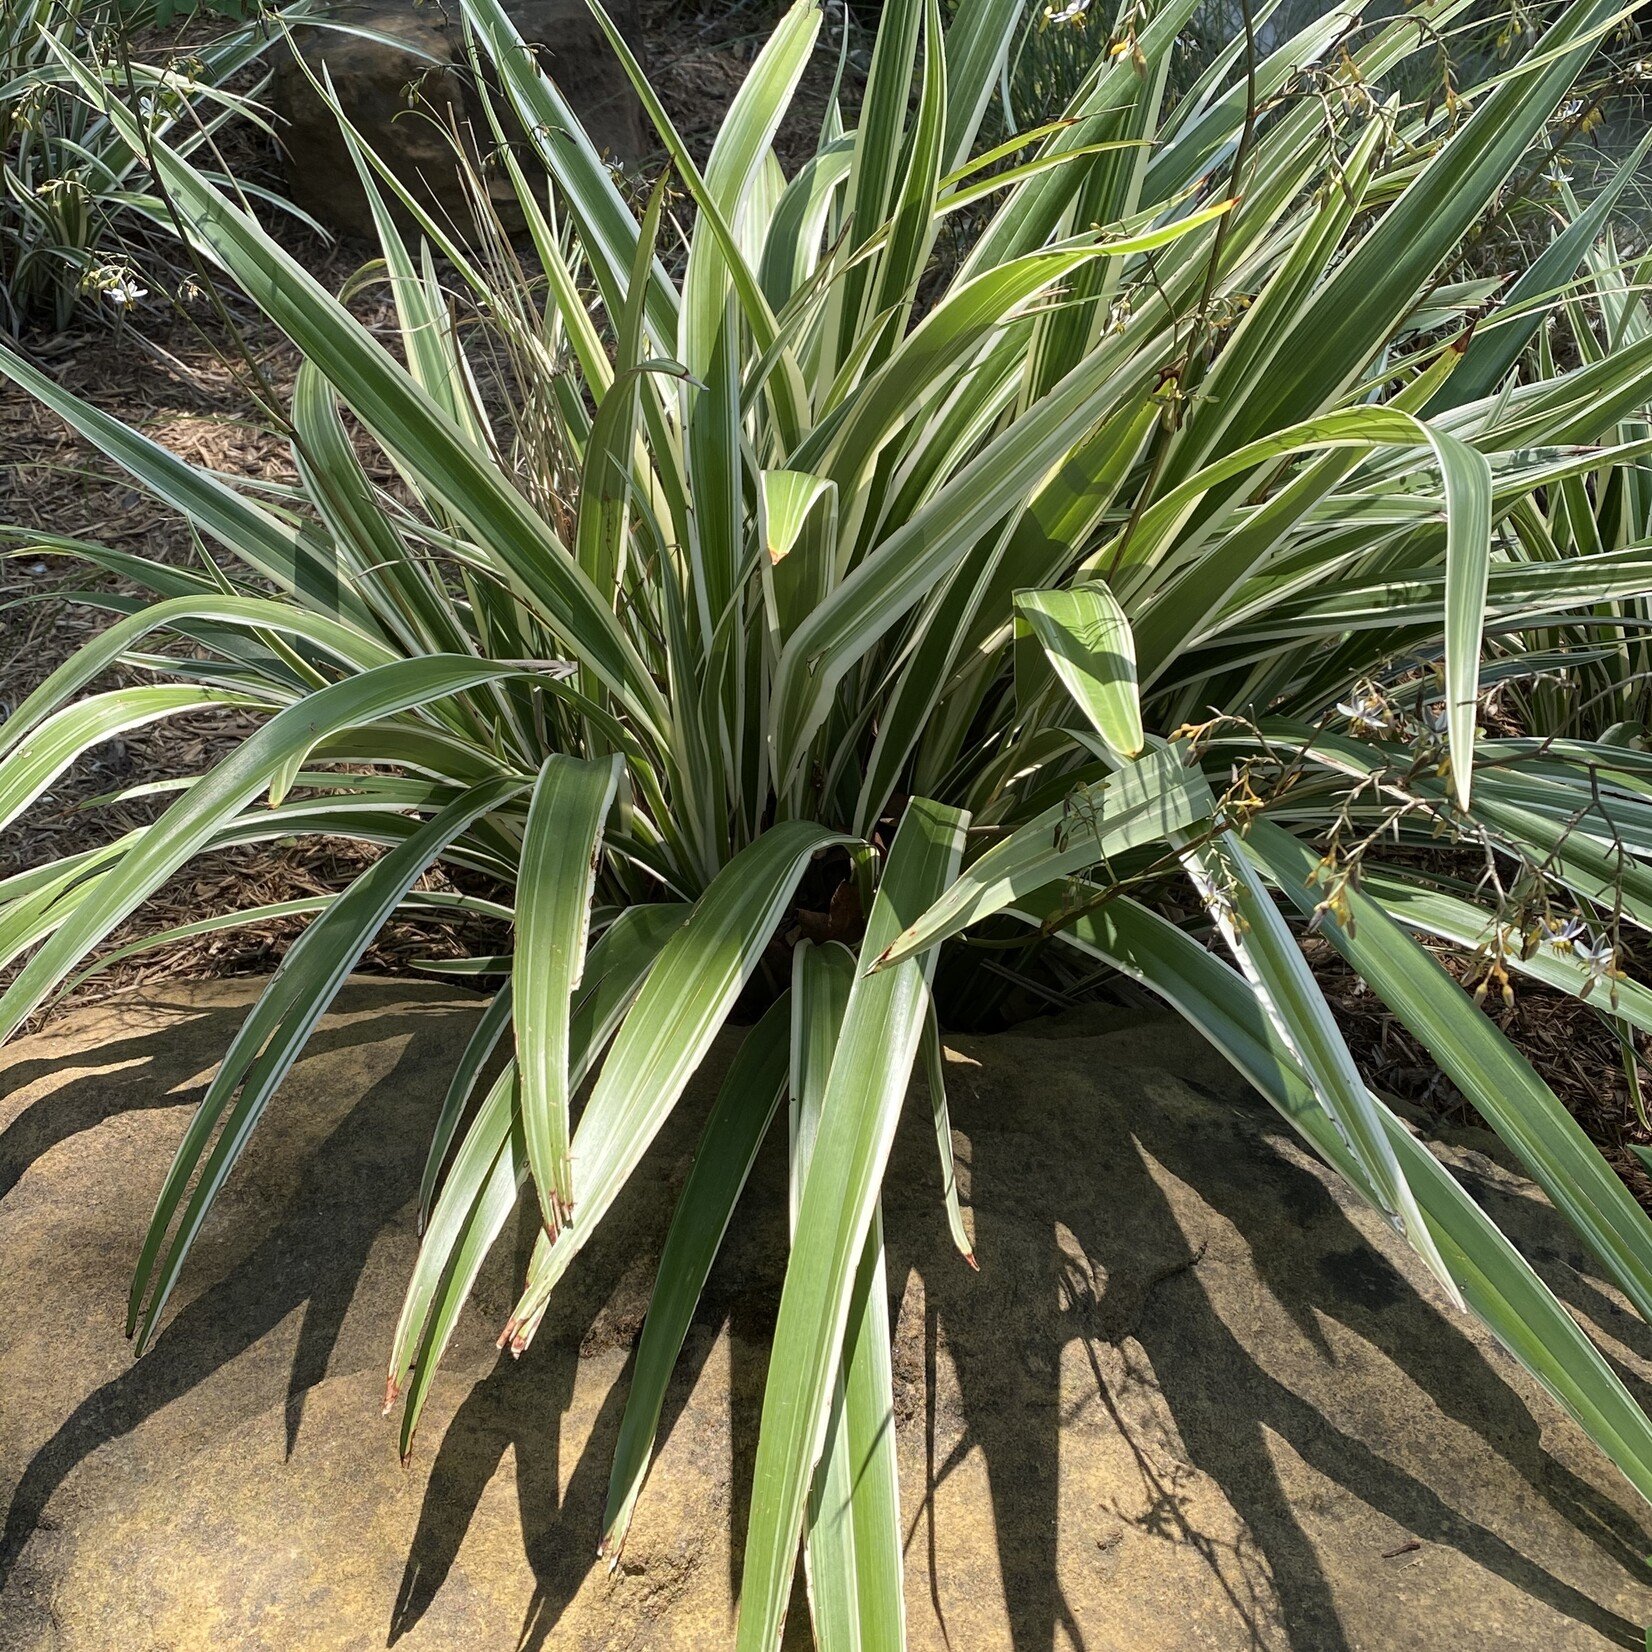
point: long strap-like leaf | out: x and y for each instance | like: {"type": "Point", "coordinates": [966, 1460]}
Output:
{"type": "Point", "coordinates": [728, 1147]}
{"type": "Point", "coordinates": [560, 848]}
{"type": "Point", "coordinates": [1497, 1283]}
{"type": "Point", "coordinates": [679, 1012]}
{"type": "Point", "coordinates": [481, 1187]}
{"type": "Point", "coordinates": [1482, 1063]}
{"type": "Point", "coordinates": [271, 1038]}
{"type": "Point", "coordinates": [1146, 802]}
{"type": "Point", "coordinates": [852, 1536]}
{"type": "Point", "coordinates": [881, 1031]}
{"type": "Point", "coordinates": [410, 423]}
{"type": "Point", "coordinates": [191, 822]}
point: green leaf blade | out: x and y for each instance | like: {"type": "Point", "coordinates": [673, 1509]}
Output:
{"type": "Point", "coordinates": [561, 847]}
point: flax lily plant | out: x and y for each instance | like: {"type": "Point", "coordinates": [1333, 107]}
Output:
{"type": "Point", "coordinates": [1023, 549]}
{"type": "Point", "coordinates": [72, 210]}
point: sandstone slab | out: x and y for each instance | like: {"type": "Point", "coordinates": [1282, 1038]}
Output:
{"type": "Point", "coordinates": [1194, 1398]}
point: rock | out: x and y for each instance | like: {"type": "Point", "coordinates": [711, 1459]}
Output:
{"type": "Point", "coordinates": [404, 92]}
{"type": "Point", "coordinates": [1195, 1399]}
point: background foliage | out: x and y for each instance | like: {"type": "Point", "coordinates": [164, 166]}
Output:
{"type": "Point", "coordinates": [73, 207]}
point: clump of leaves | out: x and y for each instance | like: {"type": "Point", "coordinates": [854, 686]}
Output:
{"type": "Point", "coordinates": [1129, 581]}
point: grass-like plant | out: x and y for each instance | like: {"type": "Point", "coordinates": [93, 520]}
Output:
{"type": "Point", "coordinates": [1594, 682]}
{"type": "Point", "coordinates": [72, 202]}
{"type": "Point", "coordinates": [1150, 553]}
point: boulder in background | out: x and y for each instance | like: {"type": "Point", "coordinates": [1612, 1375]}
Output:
{"type": "Point", "coordinates": [406, 86]}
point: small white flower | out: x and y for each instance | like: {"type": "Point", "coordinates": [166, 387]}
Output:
{"type": "Point", "coordinates": [1369, 713]}
{"type": "Point", "coordinates": [1220, 902]}
{"type": "Point", "coordinates": [1596, 954]}
{"type": "Point", "coordinates": [1563, 936]}
{"type": "Point", "coordinates": [123, 292]}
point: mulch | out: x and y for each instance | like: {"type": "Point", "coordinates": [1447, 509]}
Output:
{"type": "Point", "coordinates": [1568, 1041]}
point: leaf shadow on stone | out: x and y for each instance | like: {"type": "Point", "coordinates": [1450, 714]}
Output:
{"type": "Point", "coordinates": [515, 1408]}
{"type": "Point", "coordinates": [119, 1077]}
{"type": "Point", "coordinates": [1125, 1279]}
{"type": "Point", "coordinates": [1098, 1227]}
{"type": "Point", "coordinates": [1092, 1253]}
{"type": "Point", "coordinates": [310, 1256]}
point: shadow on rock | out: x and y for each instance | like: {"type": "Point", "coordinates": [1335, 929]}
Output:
{"type": "Point", "coordinates": [309, 1255]}
{"type": "Point", "coordinates": [1193, 1384]}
